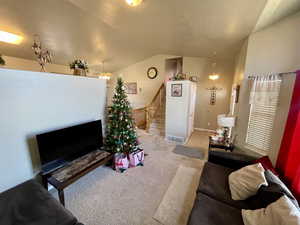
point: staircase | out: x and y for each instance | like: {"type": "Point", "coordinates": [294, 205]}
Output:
{"type": "Point", "coordinates": [156, 112]}
{"type": "Point", "coordinates": [157, 125]}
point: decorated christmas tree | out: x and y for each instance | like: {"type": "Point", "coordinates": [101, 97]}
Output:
{"type": "Point", "coordinates": [121, 134]}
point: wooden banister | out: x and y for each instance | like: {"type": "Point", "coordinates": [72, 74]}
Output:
{"type": "Point", "coordinates": [157, 93]}
{"type": "Point", "coordinates": [154, 106]}
{"type": "Point", "coordinates": [143, 116]}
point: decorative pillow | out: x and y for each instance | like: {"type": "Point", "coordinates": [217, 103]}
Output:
{"type": "Point", "coordinates": [246, 181]}
{"type": "Point", "coordinates": [266, 163]}
{"type": "Point", "coordinates": [277, 186]}
{"type": "Point", "coordinates": [281, 212]}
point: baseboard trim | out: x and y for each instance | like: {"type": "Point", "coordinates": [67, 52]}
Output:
{"type": "Point", "coordinates": [203, 129]}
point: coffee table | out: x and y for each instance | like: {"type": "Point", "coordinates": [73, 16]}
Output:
{"type": "Point", "coordinates": [65, 176]}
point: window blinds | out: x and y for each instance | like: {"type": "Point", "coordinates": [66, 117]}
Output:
{"type": "Point", "coordinates": [262, 115]}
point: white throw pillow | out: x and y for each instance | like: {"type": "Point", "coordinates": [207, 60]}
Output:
{"type": "Point", "coordinates": [281, 212]}
{"type": "Point", "coordinates": [246, 181]}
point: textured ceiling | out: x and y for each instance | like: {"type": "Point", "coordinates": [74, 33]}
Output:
{"type": "Point", "coordinates": [109, 30]}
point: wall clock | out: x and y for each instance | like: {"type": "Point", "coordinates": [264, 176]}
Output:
{"type": "Point", "coordinates": [152, 72]}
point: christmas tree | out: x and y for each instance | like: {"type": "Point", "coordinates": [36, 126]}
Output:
{"type": "Point", "coordinates": [121, 134]}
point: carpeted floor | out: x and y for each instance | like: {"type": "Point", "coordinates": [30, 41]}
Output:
{"type": "Point", "coordinates": [104, 197]}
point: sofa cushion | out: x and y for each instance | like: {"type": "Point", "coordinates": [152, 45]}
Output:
{"type": "Point", "coordinates": [214, 183]}
{"type": "Point", "coordinates": [31, 204]}
{"type": "Point", "coordinates": [208, 211]}
{"type": "Point", "coordinates": [246, 181]}
{"type": "Point", "coordinates": [281, 212]}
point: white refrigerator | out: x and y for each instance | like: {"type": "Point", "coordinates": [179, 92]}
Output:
{"type": "Point", "coordinates": [180, 110]}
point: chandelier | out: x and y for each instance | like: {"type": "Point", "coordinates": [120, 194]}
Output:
{"type": "Point", "coordinates": [104, 75]}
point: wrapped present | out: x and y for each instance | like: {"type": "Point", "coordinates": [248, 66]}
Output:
{"type": "Point", "coordinates": [136, 158]}
{"type": "Point", "coordinates": [121, 162]}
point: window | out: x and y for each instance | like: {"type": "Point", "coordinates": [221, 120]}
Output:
{"type": "Point", "coordinates": [262, 115]}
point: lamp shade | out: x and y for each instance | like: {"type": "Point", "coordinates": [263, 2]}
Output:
{"type": "Point", "coordinates": [224, 121]}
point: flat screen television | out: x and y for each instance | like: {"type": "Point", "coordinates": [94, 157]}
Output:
{"type": "Point", "coordinates": [59, 147]}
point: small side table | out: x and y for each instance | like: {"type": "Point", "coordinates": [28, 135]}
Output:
{"type": "Point", "coordinates": [220, 145]}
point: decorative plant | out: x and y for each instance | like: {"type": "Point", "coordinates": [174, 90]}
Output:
{"type": "Point", "coordinates": [121, 134]}
{"type": "Point", "coordinates": [2, 61]}
{"type": "Point", "coordinates": [79, 64]}
{"type": "Point", "coordinates": [179, 76]}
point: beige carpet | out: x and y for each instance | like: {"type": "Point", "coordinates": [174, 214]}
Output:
{"type": "Point", "coordinates": [104, 197]}
{"type": "Point", "coordinates": [178, 201]}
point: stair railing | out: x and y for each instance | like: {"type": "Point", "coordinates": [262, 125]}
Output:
{"type": "Point", "coordinates": [154, 106]}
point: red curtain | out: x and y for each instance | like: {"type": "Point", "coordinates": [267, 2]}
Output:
{"type": "Point", "coordinates": [288, 161]}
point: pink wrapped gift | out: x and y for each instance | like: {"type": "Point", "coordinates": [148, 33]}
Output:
{"type": "Point", "coordinates": [121, 162]}
{"type": "Point", "coordinates": [136, 158]}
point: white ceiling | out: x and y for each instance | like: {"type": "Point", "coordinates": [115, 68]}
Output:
{"type": "Point", "coordinates": [109, 30]}
{"type": "Point", "coordinates": [276, 10]}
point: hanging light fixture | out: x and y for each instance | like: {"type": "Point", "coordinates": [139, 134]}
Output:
{"type": "Point", "coordinates": [104, 75]}
{"type": "Point", "coordinates": [133, 2]}
{"type": "Point", "coordinates": [214, 75]}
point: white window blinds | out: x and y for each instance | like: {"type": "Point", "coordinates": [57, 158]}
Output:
{"type": "Point", "coordinates": [263, 104]}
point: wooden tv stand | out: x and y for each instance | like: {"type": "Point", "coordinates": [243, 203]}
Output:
{"type": "Point", "coordinates": [64, 176]}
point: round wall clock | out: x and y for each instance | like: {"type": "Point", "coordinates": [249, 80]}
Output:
{"type": "Point", "coordinates": [152, 72]}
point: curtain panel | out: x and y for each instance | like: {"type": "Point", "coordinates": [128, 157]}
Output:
{"type": "Point", "coordinates": [265, 90]}
{"type": "Point", "coordinates": [288, 161]}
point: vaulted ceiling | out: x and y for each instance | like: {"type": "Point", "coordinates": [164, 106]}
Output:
{"type": "Point", "coordinates": [110, 30]}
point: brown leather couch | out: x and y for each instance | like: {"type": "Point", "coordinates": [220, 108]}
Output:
{"type": "Point", "coordinates": [30, 204]}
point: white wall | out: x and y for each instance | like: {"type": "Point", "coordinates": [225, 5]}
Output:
{"type": "Point", "coordinates": [272, 50]}
{"type": "Point", "coordinates": [33, 103]}
{"type": "Point", "coordinates": [32, 65]}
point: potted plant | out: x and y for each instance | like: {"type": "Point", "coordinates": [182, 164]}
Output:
{"type": "Point", "coordinates": [121, 137]}
{"type": "Point", "coordinates": [2, 61]}
{"type": "Point", "coordinates": [79, 66]}
{"type": "Point", "coordinates": [179, 76]}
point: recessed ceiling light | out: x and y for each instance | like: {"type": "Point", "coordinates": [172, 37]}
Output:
{"type": "Point", "coordinates": [134, 2]}
{"type": "Point", "coordinates": [10, 38]}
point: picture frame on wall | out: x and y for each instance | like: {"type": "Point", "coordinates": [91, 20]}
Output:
{"type": "Point", "coordinates": [131, 88]}
{"type": "Point", "coordinates": [176, 90]}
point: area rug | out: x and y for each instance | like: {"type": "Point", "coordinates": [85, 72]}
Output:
{"type": "Point", "coordinates": [178, 201]}
{"type": "Point", "coordinates": [189, 152]}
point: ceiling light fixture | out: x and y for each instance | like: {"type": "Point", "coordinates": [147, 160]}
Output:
{"type": "Point", "coordinates": [214, 77]}
{"type": "Point", "coordinates": [133, 2]}
{"type": "Point", "coordinates": [10, 38]}
{"type": "Point", "coordinates": [104, 75]}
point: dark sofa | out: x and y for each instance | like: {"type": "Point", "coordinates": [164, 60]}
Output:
{"type": "Point", "coordinates": [30, 204]}
{"type": "Point", "coordinates": [213, 204]}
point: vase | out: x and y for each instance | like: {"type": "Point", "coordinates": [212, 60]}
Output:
{"type": "Point", "coordinates": [79, 72]}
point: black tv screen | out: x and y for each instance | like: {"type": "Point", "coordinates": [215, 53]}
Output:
{"type": "Point", "coordinates": [61, 146]}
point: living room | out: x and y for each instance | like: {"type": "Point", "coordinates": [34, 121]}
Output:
{"type": "Point", "coordinates": [147, 112]}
